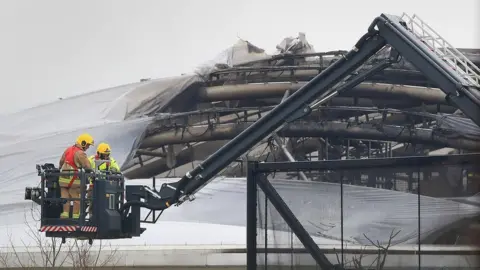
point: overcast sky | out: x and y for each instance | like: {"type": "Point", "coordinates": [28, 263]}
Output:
{"type": "Point", "coordinates": [59, 48]}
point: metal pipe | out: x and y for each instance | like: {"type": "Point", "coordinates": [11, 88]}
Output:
{"type": "Point", "coordinates": [288, 155]}
{"type": "Point", "coordinates": [201, 150]}
{"type": "Point", "coordinates": [313, 129]}
{"type": "Point", "coordinates": [277, 139]}
{"type": "Point", "coordinates": [186, 155]}
{"type": "Point", "coordinates": [306, 73]}
{"type": "Point", "coordinates": [150, 153]}
{"type": "Point", "coordinates": [369, 90]}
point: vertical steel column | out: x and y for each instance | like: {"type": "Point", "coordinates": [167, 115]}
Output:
{"type": "Point", "coordinates": [154, 186]}
{"type": "Point", "coordinates": [293, 222]}
{"type": "Point", "coordinates": [341, 219]}
{"type": "Point", "coordinates": [419, 222]}
{"type": "Point", "coordinates": [410, 181]}
{"type": "Point", "coordinates": [44, 220]}
{"type": "Point", "coordinates": [251, 217]}
{"type": "Point", "coordinates": [83, 183]}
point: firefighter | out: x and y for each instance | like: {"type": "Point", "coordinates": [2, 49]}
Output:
{"type": "Point", "coordinates": [101, 162]}
{"type": "Point", "coordinates": [74, 158]}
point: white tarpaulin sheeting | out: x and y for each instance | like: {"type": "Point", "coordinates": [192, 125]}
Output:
{"type": "Point", "coordinates": [118, 116]}
{"type": "Point", "coordinates": [41, 134]}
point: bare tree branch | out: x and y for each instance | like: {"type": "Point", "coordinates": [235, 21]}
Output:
{"type": "Point", "coordinates": [53, 253]}
{"type": "Point", "coordinates": [378, 261]}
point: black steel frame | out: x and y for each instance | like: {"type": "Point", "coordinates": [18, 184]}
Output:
{"type": "Point", "coordinates": [152, 214]}
{"type": "Point", "coordinates": [257, 176]}
{"type": "Point", "coordinates": [384, 30]}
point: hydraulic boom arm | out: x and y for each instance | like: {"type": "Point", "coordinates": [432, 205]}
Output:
{"type": "Point", "coordinates": [384, 30]}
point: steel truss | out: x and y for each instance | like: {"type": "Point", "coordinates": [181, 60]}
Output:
{"type": "Point", "coordinates": [257, 176]}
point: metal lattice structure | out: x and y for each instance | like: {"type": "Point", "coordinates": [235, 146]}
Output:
{"type": "Point", "coordinates": [457, 60]}
{"type": "Point", "coordinates": [395, 112]}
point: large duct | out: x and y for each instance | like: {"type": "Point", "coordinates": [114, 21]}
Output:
{"type": "Point", "coordinates": [310, 129]}
{"type": "Point", "coordinates": [367, 90]}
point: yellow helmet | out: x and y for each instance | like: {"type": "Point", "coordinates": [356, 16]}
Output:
{"type": "Point", "coordinates": [85, 140]}
{"type": "Point", "coordinates": [103, 149]}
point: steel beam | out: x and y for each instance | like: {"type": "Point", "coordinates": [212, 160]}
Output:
{"type": "Point", "coordinates": [354, 164]}
{"type": "Point", "coordinates": [458, 92]}
{"type": "Point", "coordinates": [292, 221]}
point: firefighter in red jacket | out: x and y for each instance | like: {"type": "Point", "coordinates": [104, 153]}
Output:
{"type": "Point", "coordinates": [74, 158]}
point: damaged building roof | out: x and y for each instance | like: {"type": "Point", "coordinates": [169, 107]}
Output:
{"type": "Point", "coordinates": [171, 123]}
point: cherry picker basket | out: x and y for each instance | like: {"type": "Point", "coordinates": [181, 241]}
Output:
{"type": "Point", "coordinates": [104, 221]}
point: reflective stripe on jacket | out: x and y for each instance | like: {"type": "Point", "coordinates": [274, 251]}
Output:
{"type": "Point", "coordinates": [70, 164]}
{"type": "Point", "coordinates": [110, 165]}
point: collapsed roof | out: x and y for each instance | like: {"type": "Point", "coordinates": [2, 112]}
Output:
{"type": "Point", "coordinates": [162, 125]}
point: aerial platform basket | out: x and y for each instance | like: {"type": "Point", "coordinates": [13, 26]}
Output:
{"type": "Point", "coordinates": [103, 221]}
